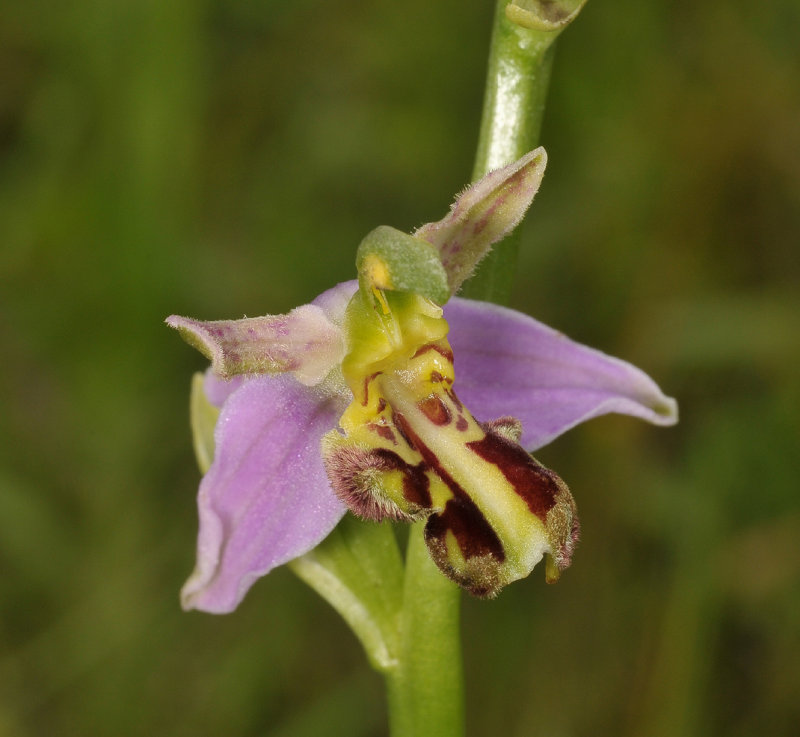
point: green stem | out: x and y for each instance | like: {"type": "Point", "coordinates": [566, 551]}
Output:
{"type": "Point", "coordinates": [425, 685]}
{"type": "Point", "coordinates": [520, 60]}
{"type": "Point", "coordinates": [409, 622]}
{"type": "Point", "coordinates": [426, 696]}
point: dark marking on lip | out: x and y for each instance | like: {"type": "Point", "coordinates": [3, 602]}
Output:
{"type": "Point", "coordinates": [367, 381]}
{"type": "Point", "coordinates": [456, 401]}
{"type": "Point", "coordinates": [416, 484]}
{"type": "Point", "coordinates": [475, 536]}
{"type": "Point", "coordinates": [537, 485]}
{"type": "Point", "coordinates": [384, 431]}
{"type": "Point", "coordinates": [401, 426]}
{"type": "Point", "coordinates": [446, 353]}
{"type": "Point", "coordinates": [473, 533]}
{"type": "Point", "coordinates": [435, 410]}
{"type": "Point", "coordinates": [461, 424]}
{"type": "Point", "coordinates": [437, 378]}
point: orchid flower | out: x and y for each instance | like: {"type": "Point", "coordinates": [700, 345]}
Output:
{"type": "Point", "coordinates": [391, 399]}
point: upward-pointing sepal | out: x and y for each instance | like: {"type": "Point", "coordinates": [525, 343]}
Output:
{"type": "Point", "coordinates": [484, 214]}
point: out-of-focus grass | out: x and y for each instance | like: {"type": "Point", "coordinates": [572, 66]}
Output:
{"type": "Point", "coordinates": [220, 159]}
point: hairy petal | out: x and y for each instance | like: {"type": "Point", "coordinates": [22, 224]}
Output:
{"type": "Point", "coordinates": [332, 301]}
{"type": "Point", "coordinates": [483, 214]}
{"type": "Point", "coordinates": [304, 342]}
{"type": "Point", "coordinates": [266, 499]}
{"type": "Point", "coordinates": [509, 364]}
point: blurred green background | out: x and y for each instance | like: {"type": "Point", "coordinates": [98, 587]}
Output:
{"type": "Point", "coordinates": [221, 158]}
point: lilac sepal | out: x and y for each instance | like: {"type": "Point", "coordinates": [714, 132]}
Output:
{"type": "Point", "coordinates": [265, 499]}
{"type": "Point", "coordinates": [507, 363]}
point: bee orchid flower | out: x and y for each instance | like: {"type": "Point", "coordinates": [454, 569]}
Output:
{"type": "Point", "coordinates": [387, 397]}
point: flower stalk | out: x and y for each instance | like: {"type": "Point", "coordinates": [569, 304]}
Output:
{"type": "Point", "coordinates": [425, 688]}
{"type": "Point", "coordinates": [518, 76]}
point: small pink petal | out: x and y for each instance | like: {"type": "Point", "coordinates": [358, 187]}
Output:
{"type": "Point", "coordinates": [304, 342]}
{"type": "Point", "coordinates": [483, 214]}
{"type": "Point", "coordinates": [333, 302]}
